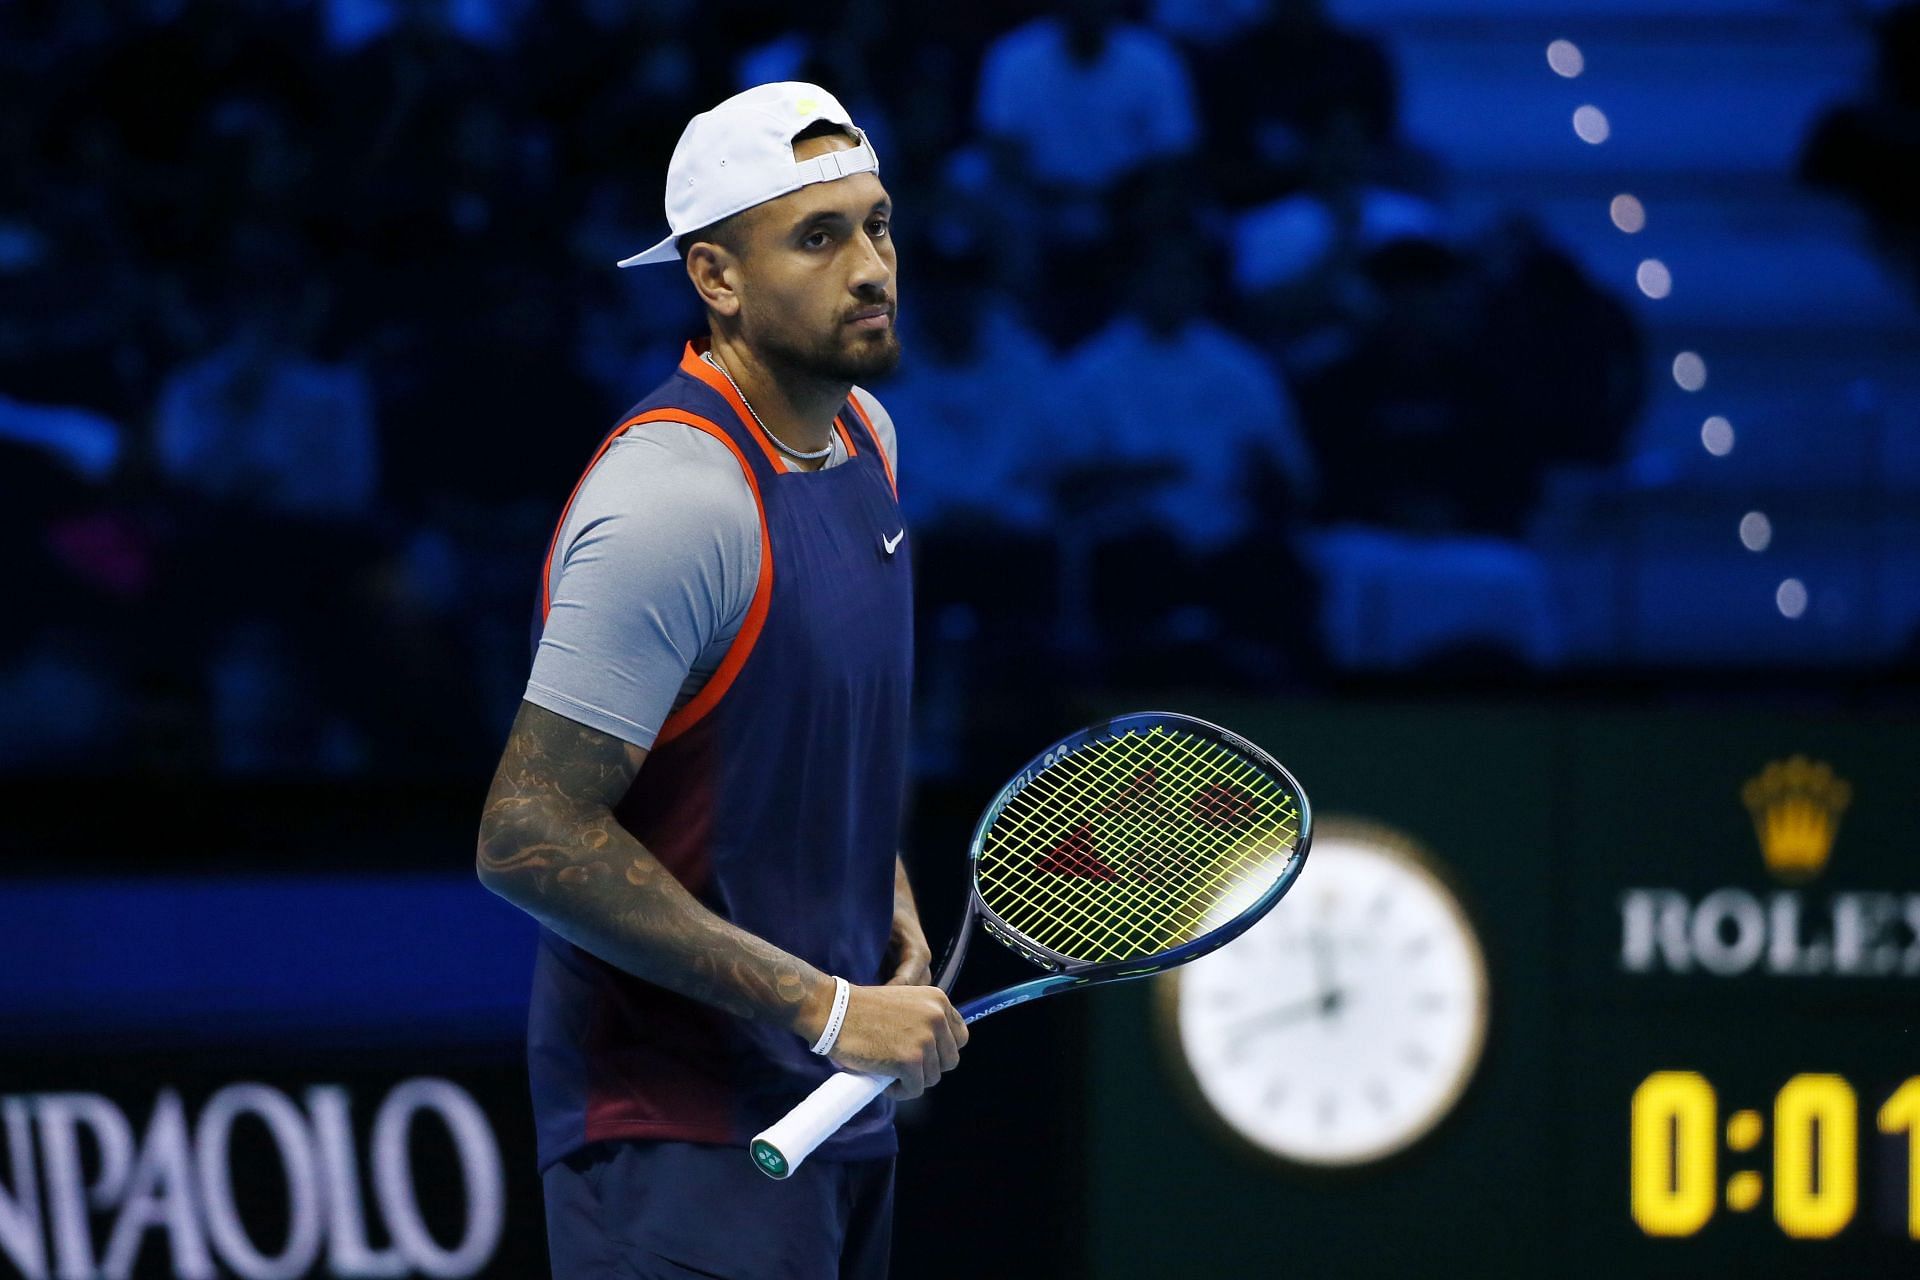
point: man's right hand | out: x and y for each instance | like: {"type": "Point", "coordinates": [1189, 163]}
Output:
{"type": "Point", "coordinates": [911, 1033]}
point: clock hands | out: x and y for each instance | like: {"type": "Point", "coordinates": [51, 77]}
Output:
{"type": "Point", "coordinates": [1322, 959]}
{"type": "Point", "coordinates": [1350, 1021]}
{"type": "Point", "coordinates": [1328, 1002]}
{"type": "Point", "coordinates": [1323, 1005]}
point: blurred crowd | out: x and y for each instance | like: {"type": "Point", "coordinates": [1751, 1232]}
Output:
{"type": "Point", "coordinates": [1869, 150]}
{"type": "Point", "coordinates": [308, 322]}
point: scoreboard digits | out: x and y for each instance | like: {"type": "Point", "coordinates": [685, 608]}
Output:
{"type": "Point", "coordinates": [1901, 1114]}
{"type": "Point", "coordinates": [1675, 1135]}
{"type": "Point", "coordinates": [1672, 1153]}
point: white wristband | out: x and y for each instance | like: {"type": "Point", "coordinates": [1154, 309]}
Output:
{"type": "Point", "coordinates": [841, 993]}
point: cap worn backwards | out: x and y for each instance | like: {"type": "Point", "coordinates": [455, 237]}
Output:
{"type": "Point", "coordinates": [740, 154]}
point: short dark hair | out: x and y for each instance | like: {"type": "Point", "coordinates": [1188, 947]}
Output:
{"type": "Point", "coordinates": [824, 128]}
{"type": "Point", "coordinates": [726, 232]}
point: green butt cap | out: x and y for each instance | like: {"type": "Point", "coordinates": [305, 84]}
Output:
{"type": "Point", "coordinates": [768, 1157]}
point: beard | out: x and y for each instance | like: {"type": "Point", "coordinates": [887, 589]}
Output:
{"type": "Point", "coordinates": [844, 355]}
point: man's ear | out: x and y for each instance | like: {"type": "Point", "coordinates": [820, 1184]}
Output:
{"type": "Point", "coordinates": [714, 270]}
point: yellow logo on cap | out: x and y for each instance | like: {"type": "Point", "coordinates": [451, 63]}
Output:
{"type": "Point", "coordinates": [1796, 806]}
{"type": "Point", "coordinates": [804, 107]}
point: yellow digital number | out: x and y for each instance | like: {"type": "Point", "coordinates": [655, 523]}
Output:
{"type": "Point", "coordinates": [1674, 1129]}
{"type": "Point", "coordinates": [1901, 1114]}
{"type": "Point", "coordinates": [1815, 1181]}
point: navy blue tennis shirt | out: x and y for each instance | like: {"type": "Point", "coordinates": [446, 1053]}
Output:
{"type": "Point", "coordinates": [773, 793]}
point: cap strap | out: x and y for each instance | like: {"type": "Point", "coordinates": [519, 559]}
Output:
{"type": "Point", "coordinates": [829, 165]}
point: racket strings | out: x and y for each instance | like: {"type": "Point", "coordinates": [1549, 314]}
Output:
{"type": "Point", "coordinates": [1050, 827]}
{"type": "Point", "coordinates": [1078, 801]}
{"type": "Point", "coordinates": [1183, 906]}
{"type": "Point", "coordinates": [1137, 895]}
{"type": "Point", "coordinates": [1127, 847]}
{"type": "Point", "coordinates": [1147, 912]}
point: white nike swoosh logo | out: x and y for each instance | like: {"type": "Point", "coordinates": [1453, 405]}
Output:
{"type": "Point", "coordinates": [894, 541]}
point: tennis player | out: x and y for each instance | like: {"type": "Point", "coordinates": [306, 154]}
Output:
{"type": "Point", "coordinates": [701, 795]}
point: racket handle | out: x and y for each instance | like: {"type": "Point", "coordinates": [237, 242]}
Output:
{"type": "Point", "coordinates": [778, 1151]}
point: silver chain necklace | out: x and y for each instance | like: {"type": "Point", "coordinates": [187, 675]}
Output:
{"type": "Point", "coordinates": [778, 443]}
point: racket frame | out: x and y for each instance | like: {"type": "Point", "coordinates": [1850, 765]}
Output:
{"type": "Point", "coordinates": [843, 1095]}
{"type": "Point", "coordinates": [1063, 972]}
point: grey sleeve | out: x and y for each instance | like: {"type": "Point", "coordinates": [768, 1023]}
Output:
{"type": "Point", "coordinates": [653, 572]}
{"type": "Point", "coordinates": [882, 428]}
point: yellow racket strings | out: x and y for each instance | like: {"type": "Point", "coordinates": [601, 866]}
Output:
{"type": "Point", "coordinates": [1118, 890]}
{"type": "Point", "coordinates": [1164, 896]}
{"type": "Point", "coordinates": [1128, 847]}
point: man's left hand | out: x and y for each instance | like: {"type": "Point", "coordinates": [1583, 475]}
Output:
{"type": "Point", "coordinates": [912, 958]}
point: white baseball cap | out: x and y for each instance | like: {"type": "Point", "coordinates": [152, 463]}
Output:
{"type": "Point", "coordinates": [740, 154]}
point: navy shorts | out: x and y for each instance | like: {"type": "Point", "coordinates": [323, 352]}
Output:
{"type": "Point", "coordinates": [670, 1210]}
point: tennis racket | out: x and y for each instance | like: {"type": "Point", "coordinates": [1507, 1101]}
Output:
{"type": "Point", "coordinates": [1132, 846]}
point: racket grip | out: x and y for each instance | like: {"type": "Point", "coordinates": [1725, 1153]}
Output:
{"type": "Point", "coordinates": [778, 1151]}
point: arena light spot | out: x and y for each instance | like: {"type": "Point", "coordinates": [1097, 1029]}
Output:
{"type": "Point", "coordinates": [1756, 531]}
{"type": "Point", "coordinates": [1654, 279]}
{"type": "Point", "coordinates": [1716, 434]}
{"type": "Point", "coordinates": [1565, 58]}
{"type": "Point", "coordinates": [1690, 371]}
{"type": "Point", "coordinates": [1628, 213]}
{"type": "Point", "coordinates": [1791, 598]}
{"type": "Point", "coordinates": [1590, 123]}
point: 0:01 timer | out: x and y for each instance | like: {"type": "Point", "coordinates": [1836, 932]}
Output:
{"type": "Point", "coordinates": [1673, 1182]}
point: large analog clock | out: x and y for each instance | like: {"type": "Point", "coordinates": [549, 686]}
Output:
{"type": "Point", "coordinates": [1346, 1024]}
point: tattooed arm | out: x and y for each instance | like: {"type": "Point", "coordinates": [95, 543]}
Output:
{"type": "Point", "coordinates": [549, 844]}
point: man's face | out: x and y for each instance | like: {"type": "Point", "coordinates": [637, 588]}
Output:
{"type": "Point", "coordinates": [816, 278]}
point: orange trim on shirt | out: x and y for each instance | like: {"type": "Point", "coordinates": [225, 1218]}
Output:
{"type": "Point", "coordinates": [846, 436]}
{"type": "Point", "coordinates": [878, 448]}
{"type": "Point", "coordinates": [692, 365]}
{"type": "Point", "coordinates": [749, 634]}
